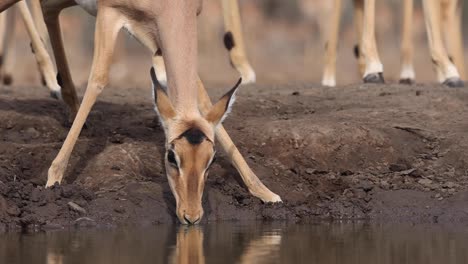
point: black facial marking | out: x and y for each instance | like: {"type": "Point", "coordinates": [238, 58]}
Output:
{"type": "Point", "coordinates": [451, 58]}
{"type": "Point", "coordinates": [158, 52]}
{"type": "Point", "coordinates": [194, 136]}
{"type": "Point", "coordinates": [229, 40]}
{"type": "Point", "coordinates": [356, 51]}
{"type": "Point", "coordinates": [1, 60]}
{"type": "Point", "coordinates": [326, 45]}
{"type": "Point", "coordinates": [59, 80]}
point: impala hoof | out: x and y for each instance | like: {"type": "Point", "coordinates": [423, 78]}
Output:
{"type": "Point", "coordinates": [273, 199]}
{"type": "Point", "coordinates": [56, 95]}
{"type": "Point", "coordinates": [374, 78]}
{"type": "Point", "coordinates": [454, 82]}
{"type": "Point", "coordinates": [407, 81]}
{"type": "Point", "coordinates": [7, 79]}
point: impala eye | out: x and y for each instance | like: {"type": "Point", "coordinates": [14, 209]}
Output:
{"type": "Point", "coordinates": [171, 158]}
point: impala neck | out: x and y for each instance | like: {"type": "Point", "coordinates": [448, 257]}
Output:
{"type": "Point", "coordinates": [178, 36]}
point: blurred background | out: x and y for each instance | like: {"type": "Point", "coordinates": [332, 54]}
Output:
{"type": "Point", "coordinates": [284, 41]}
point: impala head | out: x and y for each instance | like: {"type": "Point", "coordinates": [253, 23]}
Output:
{"type": "Point", "coordinates": [189, 149]}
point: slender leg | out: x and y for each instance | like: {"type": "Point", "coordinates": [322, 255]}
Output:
{"type": "Point", "coordinates": [6, 58]}
{"type": "Point", "coordinates": [38, 18]}
{"type": "Point", "coordinates": [407, 70]}
{"type": "Point", "coordinates": [253, 183]}
{"type": "Point", "coordinates": [329, 73]}
{"type": "Point", "coordinates": [42, 56]}
{"type": "Point", "coordinates": [108, 24]}
{"type": "Point", "coordinates": [374, 68]}
{"type": "Point", "coordinates": [51, 17]}
{"type": "Point", "coordinates": [3, 38]}
{"type": "Point", "coordinates": [446, 71]}
{"type": "Point", "coordinates": [358, 24]}
{"type": "Point", "coordinates": [452, 27]}
{"type": "Point", "coordinates": [234, 41]}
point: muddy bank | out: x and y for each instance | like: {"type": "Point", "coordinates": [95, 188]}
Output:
{"type": "Point", "coordinates": [387, 152]}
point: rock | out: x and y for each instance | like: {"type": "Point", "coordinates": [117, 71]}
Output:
{"type": "Point", "coordinates": [310, 171]}
{"type": "Point", "coordinates": [425, 182]}
{"type": "Point", "coordinates": [367, 186]}
{"type": "Point", "coordinates": [76, 208]}
{"type": "Point", "coordinates": [32, 132]}
{"type": "Point", "coordinates": [13, 210]}
{"type": "Point", "coordinates": [384, 185]}
{"type": "Point", "coordinates": [416, 173]}
{"type": "Point", "coordinates": [84, 222]}
{"type": "Point", "coordinates": [35, 195]}
{"type": "Point", "coordinates": [119, 210]}
{"type": "Point", "coordinates": [449, 185]}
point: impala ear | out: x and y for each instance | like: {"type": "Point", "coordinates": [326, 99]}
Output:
{"type": "Point", "coordinates": [162, 104]}
{"type": "Point", "coordinates": [223, 107]}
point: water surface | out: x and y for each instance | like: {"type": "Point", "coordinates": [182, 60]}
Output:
{"type": "Point", "coordinates": [242, 243]}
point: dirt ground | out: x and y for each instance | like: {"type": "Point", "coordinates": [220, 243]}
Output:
{"type": "Point", "coordinates": [377, 152]}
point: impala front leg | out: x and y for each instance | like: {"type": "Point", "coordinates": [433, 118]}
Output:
{"type": "Point", "coordinates": [452, 27]}
{"type": "Point", "coordinates": [43, 59]}
{"type": "Point", "coordinates": [447, 72]}
{"type": "Point", "coordinates": [108, 24]}
{"type": "Point", "coordinates": [51, 11]}
{"type": "Point", "coordinates": [407, 70]}
{"type": "Point", "coordinates": [253, 183]}
{"type": "Point", "coordinates": [7, 29]}
{"type": "Point", "coordinates": [374, 68]}
{"type": "Point", "coordinates": [234, 41]}
{"type": "Point", "coordinates": [358, 8]}
{"type": "Point", "coordinates": [329, 73]}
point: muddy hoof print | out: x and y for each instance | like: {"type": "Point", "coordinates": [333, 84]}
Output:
{"type": "Point", "coordinates": [454, 82]}
{"type": "Point", "coordinates": [7, 79]}
{"type": "Point", "coordinates": [374, 78]}
{"type": "Point", "coordinates": [407, 81]}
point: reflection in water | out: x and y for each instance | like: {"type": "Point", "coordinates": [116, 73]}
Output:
{"type": "Point", "coordinates": [54, 258]}
{"type": "Point", "coordinates": [242, 243]}
{"type": "Point", "coordinates": [189, 246]}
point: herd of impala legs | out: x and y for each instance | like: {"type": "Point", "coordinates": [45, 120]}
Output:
{"type": "Point", "coordinates": [168, 29]}
{"type": "Point", "coordinates": [441, 17]}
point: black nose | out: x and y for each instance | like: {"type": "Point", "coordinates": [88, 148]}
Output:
{"type": "Point", "coordinates": [191, 220]}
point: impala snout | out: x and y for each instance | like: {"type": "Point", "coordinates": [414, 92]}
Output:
{"type": "Point", "coordinates": [193, 218]}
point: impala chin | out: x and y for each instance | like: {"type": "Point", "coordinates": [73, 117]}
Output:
{"type": "Point", "coordinates": [190, 149]}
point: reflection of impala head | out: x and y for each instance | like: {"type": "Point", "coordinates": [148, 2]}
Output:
{"type": "Point", "coordinates": [189, 247]}
{"type": "Point", "coordinates": [189, 149]}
